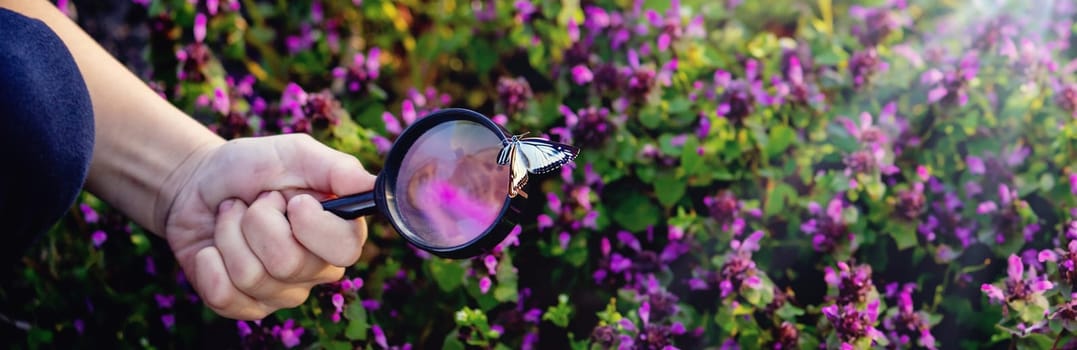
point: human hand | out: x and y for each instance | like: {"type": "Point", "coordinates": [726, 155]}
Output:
{"type": "Point", "coordinates": [247, 227]}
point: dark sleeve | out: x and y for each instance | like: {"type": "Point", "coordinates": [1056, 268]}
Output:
{"type": "Point", "coordinates": [46, 131]}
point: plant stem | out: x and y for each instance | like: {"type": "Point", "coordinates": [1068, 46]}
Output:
{"type": "Point", "coordinates": [1057, 339]}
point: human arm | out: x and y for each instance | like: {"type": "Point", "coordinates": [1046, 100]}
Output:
{"type": "Point", "coordinates": [174, 177]}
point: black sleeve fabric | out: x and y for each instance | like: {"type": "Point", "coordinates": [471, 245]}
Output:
{"type": "Point", "coordinates": [46, 131]}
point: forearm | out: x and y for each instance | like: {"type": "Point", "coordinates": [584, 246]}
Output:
{"type": "Point", "coordinates": [141, 140]}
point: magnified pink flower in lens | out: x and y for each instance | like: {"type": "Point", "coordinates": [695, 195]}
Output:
{"type": "Point", "coordinates": [454, 212]}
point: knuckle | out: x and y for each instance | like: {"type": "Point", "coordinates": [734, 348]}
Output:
{"type": "Point", "coordinates": [286, 267]}
{"type": "Point", "coordinates": [219, 302]}
{"type": "Point", "coordinates": [250, 280]}
{"type": "Point", "coordinates": [291, 300]}
{"type": "Point", "coordinates": [333, 275]}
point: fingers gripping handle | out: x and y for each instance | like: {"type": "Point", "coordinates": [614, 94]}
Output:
{"type": "Point", "coordinates": [353, 206]}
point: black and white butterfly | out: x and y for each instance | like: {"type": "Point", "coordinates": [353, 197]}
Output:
{"type": "Point", "coordinates": [532, 155]}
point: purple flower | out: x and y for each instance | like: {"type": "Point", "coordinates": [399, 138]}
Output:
{"type": "Point", "coordinates": [975, 164]}
{"type": "Point", "coordinates": [590, 126]}
{"type": "Point", "coordinates": [852, 283]}
{"type": "Point", "coordinates": [1016, 285]}
{"type": "Point", "coordinates": [906, 323]}
{"type": "Point", "coordinates": [168, 320]}
{"type": "Point", "coordinates": [513, 94]}
{"type": "Point", "coordinates": [484, 284]}
{"type": "Point", "coordinates": [736, 102]}
{"type": "Point", "coordinates": [289, 333]}
{"type": "Point", "coordinates": [865, 64]}
{"type": "Point", "coordinates": [338, 301]}
{"type": "Point", "coordinates": [951, 87]}
{"type": "Point", "coordinates": [524, 10]}
{"type": "Point", "coordinates": [363, 70]}
{"type": "Point", "coordinates": [1073, 183]}
{"type": "Point", "coordinates": [852, 324]}
{"type": "Point", "coordinates": [379, 337]}
{"type": "Point", "coordinates": [828, 229]}
{"type": "Point", "coordinates": [90, 216]}
{"type": "Point", "coordinates": [581, 74]}
{"type": "Point", "coordinates": [199, 27]}
{"type": "Point", "coordinates": [911, 203]}
{"type": "Point", "coordinates": [878, 24]}
{"type": "Point", "coordinates": [1066, 98]}
{"type": "Point", "coordinates": [164, 301]}
{"type": "Point", "coordinates": [98, 237]}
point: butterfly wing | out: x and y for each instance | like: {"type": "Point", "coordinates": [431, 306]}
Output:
{"type": "Point", "coordinates": [517, 171]}
{"type": "Point", "coordinates": [506, 152]}
{"type": "Point", "coordinates": [542, 156]}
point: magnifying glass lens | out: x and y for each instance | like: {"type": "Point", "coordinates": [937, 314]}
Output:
{"type": "Point", "coordinates": [450, 189]}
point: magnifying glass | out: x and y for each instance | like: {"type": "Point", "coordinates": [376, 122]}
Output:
{"type": "Point", "coordinates": [441, 186]}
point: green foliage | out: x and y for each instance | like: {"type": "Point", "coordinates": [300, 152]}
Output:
{"type": "Point", "coordinates": [703, 144]}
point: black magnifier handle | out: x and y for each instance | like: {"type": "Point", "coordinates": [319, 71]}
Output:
{"type": "Point", "coordinates": [352, 206]}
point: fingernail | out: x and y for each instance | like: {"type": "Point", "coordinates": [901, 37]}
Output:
{"type": "Point", "coordinates": [227, 204]}
{"type": "Point", "coordinates": [263, 195]}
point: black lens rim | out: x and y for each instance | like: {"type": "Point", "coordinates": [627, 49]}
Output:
{"type": "Point", "coordinates": [483, 243]}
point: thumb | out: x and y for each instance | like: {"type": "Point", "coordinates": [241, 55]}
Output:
{"type": "Point", "coordinates": [324, 169]}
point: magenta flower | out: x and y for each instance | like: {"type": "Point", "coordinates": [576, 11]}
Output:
{"type": "Point", "coordinates": [490, 262]}
{"type": "Point", "coordinates": [484, 284]}
{"type": "Point", "coordinates": [289, 333]}
{"type": "Point", "coordinates": [199, 27]}
{"type": "Point", "coordinates": [379, 337]}
{"type": "Point", "coordinates": [363, 70]}
{"type": "Point", "coordinates": [514, 94]}
{"type": "Point", "coordinates": [878, 23]}
{"type": "Point", "coordinates": [1064, 258]}
{"type": "Point", "coordinates": [1073, 183]}
{"type": "Point", "coordinates": [827, 228]}
{"type": "Point", "coordinates": [951, 87]}
{"type": "Point", "coordinates": [90, 216]}
{"type": "Point", "coordinates": [1016, 285]}
{"type": "Point", "coordinates": [865, 64]}
{"type": "Point", "coordinates": [1066, 98]}
{"type": "Point", "coordinates": [164, 301]}
{"type": "Point", "coordinates": [852, 324]}
{"type": "Point", "coordinates": [524, 10]}
{"type": "Point", "coordinates": [852, 283]}
{"type": "Point", "coordinates": [581, 74]}
{"type": "Point", "coordinates": [98, 237]}
{"type": "Point", "coordinates": [590, 127]}
{"type": "Point", "coordinates": [168, 320]}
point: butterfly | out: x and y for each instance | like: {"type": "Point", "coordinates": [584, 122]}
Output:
{"type": "Point", "coordinates": [532, 155]}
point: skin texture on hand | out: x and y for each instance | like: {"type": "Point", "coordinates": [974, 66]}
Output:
{"type": "Point", "coordinates": [250, 230]}
{"type": "Point", "coordinates": [242, 216]}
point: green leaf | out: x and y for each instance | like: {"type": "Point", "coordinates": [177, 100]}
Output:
{"type": "Point", "coordinates": [781, 137]}
{"type": "Point", "coordinates": [669, 188]}
{"type": "Point", "coordinates": [904, 234]}
{"type": "Point", "coordinates": [1035, 341]}
{"type": "Point", "coordinates": [482, 55]}
{"type": "Point", "coordinates": [452, 342]}
{"type": "Point", "coordinates": [559, 314]}
{"type": "Point", "coordinates": [690, 158]}
{"type": "Point", "coordinates": [357, 323]}
{"type": "Point", "coordinates": [777, 198]}
{"type": "Point", "coordinates": [338, 345]}
{"type": "Point", "coordinates": [789, 312]}
{"type": "Point", "coordinates": [632, 210]}
{"type": "Point", "coordinates": [448, 274]}
{"type": "Point", "coordinates": [650, 118]}
{"type": "Point", "coordinates": [506, 289]}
